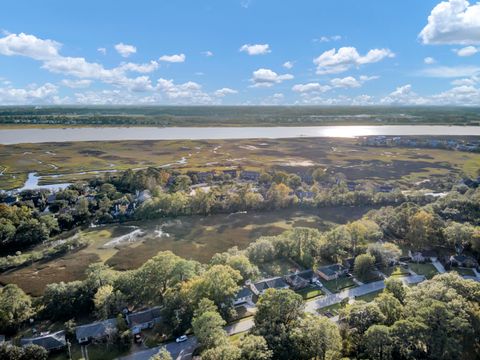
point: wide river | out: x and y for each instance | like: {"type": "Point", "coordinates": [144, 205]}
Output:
{"type": "Point", "coordinates": [34, 135]}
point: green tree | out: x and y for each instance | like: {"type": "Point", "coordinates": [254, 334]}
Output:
{"type": "Point", "coordinates": [207, 325]}
{"type": "Point", "coordinates": [378, 342]}
{"type": "Point", "coordinates": [162, 354]}
{"type": "Point", "coordinates": [390, 306]}
{"type": "Point", "coordinates": [222, 352]}
{"type": "Point", "coordinates": [363, 266]}
{"type": "Point", "coordinates": [316, 338]}
{"type": "Point", "coordinates": [396, 288]}
{"type": "Point", "coordinates": [253, 347]}
{"type": "Point", "coordinates": [15, 307]}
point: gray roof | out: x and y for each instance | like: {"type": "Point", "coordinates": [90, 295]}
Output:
{"type": "Point", "coordinates": [143, 317]}
{"type": "Point", "coordinates": [96, 330]}
{"type": "Point", "coordinates": [330, 270]}
{"type": "Point", "coordinates": [273, 283]}
{"type": "Point", "coordinates": [246, 291]}
{"type": "Point", "coordinates": [49, 342]}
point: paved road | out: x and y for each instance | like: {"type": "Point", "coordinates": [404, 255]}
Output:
{"type": "Point", "coordinates": [183, 351]}
{"type": "Point", "coordinates": [438, 265]}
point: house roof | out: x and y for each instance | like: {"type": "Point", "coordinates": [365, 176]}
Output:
{"type": "Point", "coordinates": [330, 270]}
{"type": "Point", "coordinates": [273, 283]}
{"type": "Point", "coordinates": [49, 341]}
{"type": "Point", "coordinates": [95, 330]}
{"type": "Point", "coordinates": [143, 317]}
{"type": "Point", "coordinates": [244, 292]}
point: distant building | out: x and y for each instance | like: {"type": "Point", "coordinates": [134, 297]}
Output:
{"type": "Point", "coordinates": [301, 279]}
{"type": "Point", "coordinates": [463, 261]}
{"type": "Point", "coordinates": [49, 342]}
{"type": "Point", "coordinates": [423, 255]}
{"type": "Point", "coordinates": [95, 331]}
{"type": "Point", "coordinates": [142, 320]}
{"type": "Point", "coordinates": [332, 272]}
{"type": "Point", "coordinates": [245, 295]}
{"type": "Point", "coordinates": [260, 287]}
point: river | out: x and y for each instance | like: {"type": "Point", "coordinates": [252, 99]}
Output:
{"type": "Point", "coordinates": [40, 135]}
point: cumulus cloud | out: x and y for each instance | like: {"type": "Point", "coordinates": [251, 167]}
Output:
{"type": "Point", "coordinates": [274, 99]}
{"type": "Point", "coordinates": [176, 58]}
{"type": "Point", "coordinates": [125, 50]}
{"type": "Point", "coordinates": [140, 68]}
{"type": "Point", "coordinates": [102, 50]}
{"type": "Point", "coordinates": [266, 78]}
{"type": "Point", "coordinates": [324, 39]}
{"type": "Point", "coordinates": [76, 84]}
{"type": "Point", "coordinates": [450, 71]}
{"type": "Point", "coordinates": [334, 62]}
{"type": "Point", "coordinates": [207, 53]}
{"type": "Point", "coordinates": [257, 49]}
{"type": "Point", "coordinates": [29, 46]}
{"type": "Point", "coordinates": [346, 82]}
{"type": "Point", "coordinates": [467, 51]}
{"type": "Point", "coordinates": [453, 22]}
{"type": "Point", "coordinates": [288, 65]}
{"type": "Point", "coordinates": [225, 91]}
{"type": "Point", "coordinates": [429, 60]}
{"type": "Point", "coordinates": [311, 87]}
{"type": "Point", "coordinates": [32, 94]}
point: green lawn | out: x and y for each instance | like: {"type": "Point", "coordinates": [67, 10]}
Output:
{"type": "Point", "coordinates": [424, 269]}
{"type": "Point", "coordinates": [369, 297]}
{"type": "Point", "coordinates": [309, 292]}
{"type": "Point", "coordinates": [339, 284]}
{"type": "Point", "coordinates": [464, 271]}
{"type": "Point", "coordinates": [333, 309]}
{"type": "Point", "coordinates": [95, 352]}
{"type": "Point", "coordinates": [396, 271]}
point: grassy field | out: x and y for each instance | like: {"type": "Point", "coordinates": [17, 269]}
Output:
{"type": "Point", "coordinates": [69, 162]}
{"type": "Point", "coordinates": [369, 297]}
{"type": "Point", "coordinates": [310, 293]}
{"type": "Point", "coordinates": [339, 284]}
{"type": "Point", "coordinates": [194, 237]}
{"type": "Point", "coordinates": [424, 269]}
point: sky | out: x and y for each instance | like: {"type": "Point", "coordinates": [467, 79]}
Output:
{"type": "Point", "coordinates": [240, 52]}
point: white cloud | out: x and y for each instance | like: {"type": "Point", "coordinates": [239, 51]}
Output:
{"type": "Point", "coordinates": [467, 51]}
{"type": "Point", "coordinates": [266, 78]}
{"type": "Point", "coordinates": [453, 22]}
{"type": "Point", "coordinates": [346, 82]}
{"type": "Point", "coordinates": [324, 39]}
{"type": "Point", "coordinates": [225, 91]}
{"type": "Point", "coordinates": [466, 81]}
{"type": "Point", "coordinates": [125, 50]}
{"type": "Point", "coordinates": [140, 68]}
{"type": "Point", "coordinates": [257, 49]}
{"type": "Point", "coordinates": [450, 71]}
{"type": "Point", "coordinates": [29, 46]}
{"type": "Point", "coordinates": [429, 60]}
{"type": "Point", "coordinates": [102, 50]}
{"type": "Point", "coordinates": [76, 84]}
{"type": "Point", "coordinates": [403, 95]}
{"type": "Point", "coordinates": [311, 87]}
{"type": "Point", "coordinates": [176, 58]}
{"type": "Point", "coordinates": [189, 92]}
{"type": "Point", "coordinates": [288, 65]}
{"type": "Point", "coordinates": [274, 99]}
{"type": "Point", "coordinates": [33, 94]}
{"type": "Point", "coordinates": [334, 62]}
{"type": "Point", "coordinates": [207, 53]}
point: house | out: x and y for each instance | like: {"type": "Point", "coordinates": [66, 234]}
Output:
{"type": "Point", "coordinates": [384, 188]}
{"type": "Point", "coordinates": [422, 255]}
{"type": "Point", "coordinates": [50, 342]}
{"type": "Point", "coordinates": [10, 199]}
{"type": "Point", "coordinates": [142, 320]}
{"type": "Point", "coordinates": [260, 287]}
{"type": "Point", "coordinates": [300, 280]}
{"type": "Point", "coordinates": [244, 295]}
{"type": "Point", "coordinates": [332, 272]}
{"type": "Point", "coordinates": [250, 175]}
{"type": "Point", "coordinates": [463, 261]}
{"type": "Point", "coordinates": [51, 198]}
{"type": "Point", "coordinates": [95, 331]}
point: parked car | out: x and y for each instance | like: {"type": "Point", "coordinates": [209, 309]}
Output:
{"type": "Point", "coordinates": [138, 338]}
{"type": "Point", "coordinates": [318, 283]}
{"type": "Point", "coordinates": [181, 339]}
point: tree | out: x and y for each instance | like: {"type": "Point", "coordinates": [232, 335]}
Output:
{"type": "Point", "coordinates": [316, 338]}
{"type": "Point", "coordinates": [162, 354]}
{"type": "Point", "coordinates": [15, 307]}
{"type": "Point", "coordinates": [363, 231]}
{"type": "Point", "coordinates": [459, 234]}
{"type": "Point", "coordinates": [408, 339]}
{"type": "Point", "coordinates": [279, 195]}
{"type": "Point", "coordinates": [108, 302]}
{"type": "Point", "coordinates": [378, 342]}
{"type": "Point", "coordinates": [278, 312]}
{"type": "Point", "coordinates": [207, 325]}
{"type": "Point", "coordinates": [363, 266]}
{"type": "Point", "coordinates": [222, 352]}
{"type": "Point", "coordinates": [390, 306]}
{"type": "Point", "coordinates": [182, 183]}
{"type": "Point", "coordinates": [384, 253]}
{"type": "Point", "coordinates": [254, 347]}
{"type": "Point", "coordinates": [360, 316]}
{"type": "Point", "coordinates": [396, 288]}
{"type": "Point", "coordinates": [423, 229]}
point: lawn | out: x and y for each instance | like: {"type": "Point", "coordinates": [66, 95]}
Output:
{"type": "Point", "coordinates": [332, 309]}
{"type": "Point", "coordinates": [396, 271]}
{"type": "Point", "coordinates": [339, 284]}
{"type": "Point", "coordinates": [369, 297]}
{"type": "Point", "coordinates": [427, 269]}
{"type": "Point", "coordinates": [95, 352]}
{"type": "Point", "coordinates": [310, 292]}
{"type": "Point", "coordinates": [464, 271]}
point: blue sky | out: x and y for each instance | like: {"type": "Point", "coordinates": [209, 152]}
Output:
{"type": "Point", "coordinates": [312, 52]}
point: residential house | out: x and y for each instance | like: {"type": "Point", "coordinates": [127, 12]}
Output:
{"type": "Point", "coordinates": [95, 331]}
{"type": "Point", "coordinates": [302, 279]}
{"type": "Point", "coordinates": [463, 261]}
{"type": "Point", "coordinates": [260, 287]}
{"type": "Point", "coordinates": [10, 199]}
{"type": "Point", "coordinates": [332, 272]}
{"type": "Point", "coordinates": [422, 255]}
{"type": "Point", "coordinates": [142, 320]}
{"type": "Point", "coordinates": [245, 295]}
{"type": "Point", "coordinates": [50, 342]}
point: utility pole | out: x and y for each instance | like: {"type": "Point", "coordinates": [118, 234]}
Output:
{"type": "Point", "coordinates": [69, 349]}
